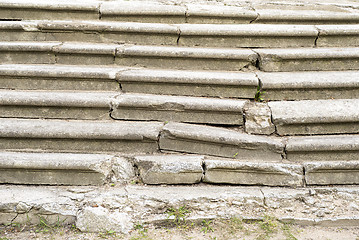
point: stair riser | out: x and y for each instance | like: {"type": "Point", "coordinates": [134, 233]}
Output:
{"type": "Point", "coordinates": [33, 13]}
{"type": "Point", "coordinates": [318, 128]}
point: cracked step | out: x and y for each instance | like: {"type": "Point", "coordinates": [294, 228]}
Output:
{"type": "Point", "coordinates": [309, 117]}
{"type": "Point", "coordinates": [308, 59]}
{"type": "Point", "coordinates": [178, 108]}
{"type": "Point", "coordinates": [79, 136]}
{"type": "Point", "coordinates": [216, 141]}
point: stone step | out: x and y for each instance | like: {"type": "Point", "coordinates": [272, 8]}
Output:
{"type": "Point", "coordinates": [308, 59]}
{"type": "Point", "coordinates": [94, 209]}
{"type": "Point", "coordinates": [316, 116]}
{"type": "Point", "coordinates": [126, 55]}
{"type": "Point", "coordinates": [79, 136]}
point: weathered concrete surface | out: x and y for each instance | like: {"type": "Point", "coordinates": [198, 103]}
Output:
{"type": "Point", "coordinates": [316, 116]}
{"type": "Point", "coordinates": [170, 169]}
{"type": "Point", "coordinates": [221, 142]}
{"type": "Point", "coordinates": [189, 83]}
{"type": "Point", "coordinates": [323, 148]}
{"type": "Point", "coordinates": [338, 36]}
{"type": "Point", "coordinates": [65, 105]}
{"type": "Point", "coordinates": [310, 85]}
{"type": "Point", "coordinates": [258, 118]}
{"type": "Point", "coordinates": [178, 108]}
{"type": "Point", "coordinates": [185, 57]}
{"type": "Point", "coordinates": [308, 59]}
{"type": "Point", "coordinates": [253, 173]}
{"type": "Point", "coordinates": [59, 77]}
{"type": "Point", "coordinates": [247, 35]}
{"type": "Point", "coordinates": [79, 136]}
{"type": "Point", "coordinates": [54, 168]}
{"type": "Point", "coordinates": [327, 173]}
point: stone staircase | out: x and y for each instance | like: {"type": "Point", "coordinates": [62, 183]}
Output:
{"type": "Point", "coordinates": [117, 92]}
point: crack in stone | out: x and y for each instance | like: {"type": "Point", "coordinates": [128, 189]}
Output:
{"type": "Point", "coordinates": [318, 35]}
{"type": "Point", "coordinates": [264, 198]}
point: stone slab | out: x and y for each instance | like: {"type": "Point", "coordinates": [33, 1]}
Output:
{"type": "Point", "coordinates": [79, 136]}
{"type": "Point", "coordinates": [310, 85]}
{"type": "Point", "coordinates": [338, 36]}
{"type": "Point", "coordinates": [185, 57]}
{"type": "Point", "coordinates": [247, 35]}
{"type": "Point", "coordinates": [170, 169]}
{"type": "Point", "coordinates": [308, 59]}
{"type": "Point", "coordinates": [178, 108]}
{"type": "Point", "coordinates": [189, 83]}
{"type": "Point", "coordinates": [253, 173]}
{"type": "Point", "coordinates": [258, 118]}
{"type": "Point", "coordinates": [64, 105]}
{"type": "Point", "coordinates": [323, 148]}
{"type": "Point", "coordinates": [54, 168]}
{"type": "Point", "coordinates": [330, 173]}
{"type": "Point", "coordinates": [221, 142]}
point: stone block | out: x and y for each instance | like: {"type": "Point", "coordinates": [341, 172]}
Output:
{"type": "Point", "coordinates": [338, 36]}
{"type": "Point", "coordinates": [170, 169]}
{"type": "Point", "coordinates": [258, 119]}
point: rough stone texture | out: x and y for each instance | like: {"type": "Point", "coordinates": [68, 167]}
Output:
{"type": "Point", "coordinates": [67, 105]}
{"type": "Point", "coordinates": [221, 142]}
{"type": "Point", "coordinates": [190, 83]}
{"type": "Point", "coordinates": [123, 170]}
{"type": "Point", "coordinates": [338, 36]}
{"type": "Point", "coordinates": [258, 118]}
{"type": "Point", "coordinates": [179, 109]}
{"type": "Point", "coordinates": [170, 169]}
{"type": "Point", "coordinates": [323, 148]}
{"type": "Point", "coordinates": [99, 219]}
{"type": "Point", "coordinates": [327, 173]}
{"type": "Point", "coordinates": [310, 85]}
{"type": "Point", "coordinates": [79, 136]}
{"type": "Point", "coordinates": [185, 57]}
{"type": "Point", "coordinates": [308, 59]}
{"type": "Point", "coordinates": [253, 173]}
{"type": "Point", "coordinates": [247, 35]}
{"type": "Point", "coordinates": [54, 168]}
{"type": "Point", "coordinates": [59, 77]}
{"type": "Point", "coordinates": [316, 116]}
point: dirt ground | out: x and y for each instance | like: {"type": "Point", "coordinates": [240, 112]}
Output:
{"type": "Point", "coordinates": [229, 229]}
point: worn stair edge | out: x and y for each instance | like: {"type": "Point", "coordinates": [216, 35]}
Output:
{"type": "Point", "coordinates": [65, 105]}
{"type": "Point", "coordinates": [215, 141]}
{"type": "Point", "coordinates": [327, 173]}
{"type": "Point", "coordinates": [308, 59]}
{"type": "Point", "coordinates": [190, 83]}
{"type": "Point", "coordinates": [309, 85]}
{"type": "Point", "coordinates": [323, 148]}
{"type": "Point", "coordinates": [316, 116]}
{"type": "Point", "coordinates": [59, 77]}
{"type": "Point", "coordinates": [55, 168]}
{"type": "Point", "coordinates": [178, 108]}
{"type": "Point", "coordinates": [338, 35]}
{"type": "Point", "coordinates": [122, 206]}
{"type": "Point", "coordinates": [79, 136]}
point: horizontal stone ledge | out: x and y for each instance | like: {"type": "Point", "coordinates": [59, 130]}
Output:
{"type": "Point", "coordinates": [253, 173]}
{"type": "Point", "coordinates": [331, 173]}
{"type": "Point", "coordinates": [308, 59]}
{"type": "Point", "coordinates": [323, 148]}
{"type": "Point", "coordinates": [316, 116]}
{"type": "Point", "coordinates": [190, 83]}
{"type": "Point", "coordinates": [338, 36]}
{"type": "Point", "coordinates": [178, 108]}
{"type": "Point", "coordinates": [309, 85]}
{"type": "Point", "coordinates": [180, 137]}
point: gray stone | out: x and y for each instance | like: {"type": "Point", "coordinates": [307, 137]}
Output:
{"type": "Point", "coordinates": [79, 136]}
{"type": "Point", "coordinates": [309, 85]}
{"type": "Point", "coordinates": [331, 173]}
{"type": "Point", "coordinates": [323, 148]}
{"type": "Point", "coordinates": [123, 170]}
{"type": "Point", "coordinates": [221, 142]}
{"type": "Point", "coordinates": [170, 169]}
{"type": "Point", "coordinates": [338, 36]}
{"type": "Point", "coordinates": [185, 57]}
{"type": "Point", "coordinates": [308, 59]}
{"type": "Point", "coordinates": [315, 116]}
{"type": "Point", "coordinates": [258, 119]}
{"type": "Point", "coordinates": [179, 109]}
{"type": "Point", "coordinates": [253, 173]}
{"type": "Point", "coordinates": [247, 35]}
{"type": "Point", "coordinates": [190, 83]}
{"type": "Point", "coordinates": [97, 219]}
{"type": "Point", "coordinates": [54, 168]}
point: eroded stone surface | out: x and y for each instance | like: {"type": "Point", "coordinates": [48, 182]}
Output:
{"type": "Point", "coordinates": [258, 119]}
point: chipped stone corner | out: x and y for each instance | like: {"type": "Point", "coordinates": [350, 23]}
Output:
{"type": "Point", "coordinates": [258, 118]}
